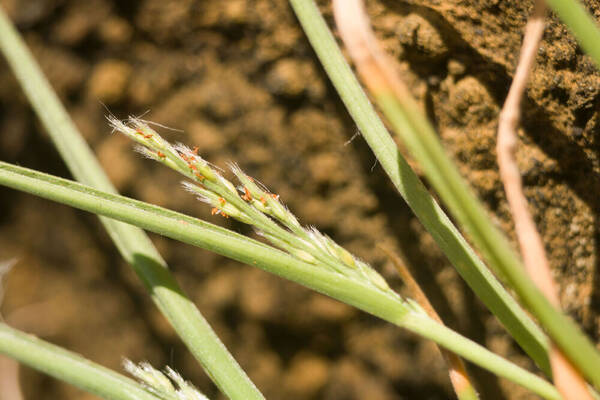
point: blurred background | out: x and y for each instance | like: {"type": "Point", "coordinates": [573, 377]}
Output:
{"type": "Point", "coordinates": [240, 79]}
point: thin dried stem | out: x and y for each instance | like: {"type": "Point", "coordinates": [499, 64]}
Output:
{"type": "Point", "coordinates": [531, 245]}
{"type": "Point", "coordinates": [461, 382]}
{"type": "Point", "coordinates": [374, 66]}
{"type": "Point", "coordinates": [10, 388]}
{"type": "Point", "coordinates": [568, 380]}
{"type": "Point", "coordinates": [9, 369]}
{"type": "Point", "coordinates": [380, 74]}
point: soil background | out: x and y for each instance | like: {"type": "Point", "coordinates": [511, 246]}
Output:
{"type": "Point", "coordinates": [240, 79]}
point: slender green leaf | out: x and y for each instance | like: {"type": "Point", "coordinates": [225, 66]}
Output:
{"type": "Point", "coordinates": [135, 247]}
{"type": "Point", "coordinates": [385, 305]}
{"type": "Point", "coordinates": [69, 367]}
{"type": "Point", "coordinates": [422, 141]}
{"type": "Point", "coordinates": [418, 134]}
{"type": "Point", "coordinates": [454, 246]}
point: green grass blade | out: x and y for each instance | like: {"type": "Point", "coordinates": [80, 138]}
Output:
{"type": "Point", "coordinates": [196, 232]}
{"type": "Point", "coordinates": [581, 23]}
{"type": "Point", "coordinates": [421, 139]}
{"type": "Point", "coordinates": [69, 367]}
{"type": "Point", "coordinates": [230, 244]}
{"type": "Point", "coordinates": [454, 246]}
{"type": "Point", "coordinates": [444, 336]}
{"type": "Point", "coordinates": [133, 244]}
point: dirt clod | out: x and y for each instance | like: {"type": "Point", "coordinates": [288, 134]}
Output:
{"type": "Point", "coordinates": [109, 80]}
{"type": "Point", "coordinates": [419, 36]}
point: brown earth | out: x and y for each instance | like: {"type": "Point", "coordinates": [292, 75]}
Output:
{"type": "Point", "coordinates": [241, 80]}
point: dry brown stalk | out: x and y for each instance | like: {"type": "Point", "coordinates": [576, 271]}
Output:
{"type": "Point", "coordinates": [568, 381]}
{"type": "Point", "coordinates": [374, 66]}
{"type": "Point", "coordinates": [10, 388]}
{"type": "Point", "coordinates": [532, 248]}
{"type": "Point", "coordinates": [456, 368]}
{"type": "Point", "coordinates": [9, 379]}
{"type": "Point", "coordinates": [381, 76]}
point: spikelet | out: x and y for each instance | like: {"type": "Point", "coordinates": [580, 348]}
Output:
{"type": "Point", "coordinates": [167, 385]}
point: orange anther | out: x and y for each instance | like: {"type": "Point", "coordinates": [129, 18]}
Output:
{"type": "Point", "coordinates": [250, 178]}
{"type": "Point", "coordinates": [262, 200]}
{"type": "Point", "coordinates": [247, 196]}
{"type": "Point", "coordinates": [192, 166]}
{"type": "Point", "coordinates": [148, 136]}
{"type": "Point", "coordinates": [160, 154]}
{"type": "Point", "coordinates": [222, 201]}
{"type": "Point", "coordinates": [215, 210]}
{"type": "Point", "coordinates": [139, 132]}
{"type": "Point", "coordinates": [275, 196]}
{"type": "Point", "coordinates": [199, 176]}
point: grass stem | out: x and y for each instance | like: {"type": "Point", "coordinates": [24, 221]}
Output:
{"type": "Point", "coordinates": [459, 377]}
{"type": "Point", "coordinates": [380, 74]}
{"type": "Point", "coordinates": [230, 244]}
{"type": "Point", "coordinates": [69, 367]}
{"type": "Point", "coordinates": [529, 336]}
{"type": "Point", "coordinates": [133, 244]}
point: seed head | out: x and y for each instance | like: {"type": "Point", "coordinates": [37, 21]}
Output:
{"type": "Point", "coordinates": [251, 203]}
{"type": "Point", "coordinates": [149, 376]}
{"type": "Point", "coordinates": [267, 202]}
{"type": "Point", "coordinates": [167, 385]}
{"type": "Point", "coordinates": [219, 204]}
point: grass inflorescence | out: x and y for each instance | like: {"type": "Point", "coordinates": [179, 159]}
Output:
{"type": "Point", "coordinates": [249, 202]}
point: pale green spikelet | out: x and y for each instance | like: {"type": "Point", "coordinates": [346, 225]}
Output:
{"type": "Point", "coordinates": [373, 276]}
{"type": "Point", "coordinates": [167, 386]}
{"type": "Point", "coordinates": [148, 376]}
{"type": "Point", "coordinates": [301, 254]}
{"type": "Point", "coordinates": [218, 203]}
{"type": "Point", "coordinates": [264, 200]}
